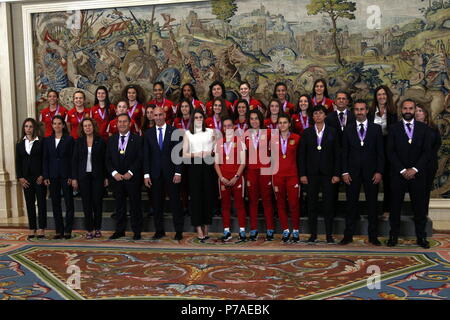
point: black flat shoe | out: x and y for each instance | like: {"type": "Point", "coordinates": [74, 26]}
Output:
{"type": "Point", "coordinates": [57, 237]}
{"type": "Point", "coordinates": [375, 241]}
{"type": "Point", "coordinates": [423, 242]}
{"type": "Point", "coordinates": [392, 242]}
{"type": "Point", "coordinates": [345, 241]}
{"type": "Point", "coordinates": [31, 236]}
{"type": "Point", "coordinates": [312, 238]}
{"type": "Point", "coordinates": [330, 239]}
{"type": "Point", "coordinates": [158, 235]}
{"type": "Point", "coordinates": [41, 236]}
{"type": "Point", "coordinates": [67, 236]}
{"type": "Point", "coordinates": [137, 236]}
{"type": "Point", "coordinates": [178, 236]}
{"type": "Point", "coordinates": [117, 235]}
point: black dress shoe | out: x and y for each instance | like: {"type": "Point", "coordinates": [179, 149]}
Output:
{"type": "Point", "coordinates": [178, 236]}
{"type": "Point", "coordinates": [330, 239]}
{"type": "Point", "coordinates": [40, 236]}
{"type": "Point", "coordinates": [57, 237]}
{"type": "Point", "coordinates": [392, 242]}
{"type": "Point", "coordinates": [158, 235]}
{"type": "Point", "coordinates": [117, 235]}
{"type": "Point", "coordinates": [312, 238]}
{"type": "Point", "coordinates": [67, 236]}
{"type": "Point", "coordinates": [375, 241]}
{"type": "Point", "coordinates": [31, 236]}
{"type": "Point", "coordinates": [423, 242]}
{"type": "Point", "coordinates": [345, 241]}
{"type": "Point", "coordinates": [137, 236]}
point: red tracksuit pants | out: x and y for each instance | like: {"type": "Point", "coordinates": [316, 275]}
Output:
{"type": "Point", "coordinates": [237, 191]}
{"type": "Point", "coordinates": [287, 188]}
{"type": "Point", "coordinates": [259, 186]}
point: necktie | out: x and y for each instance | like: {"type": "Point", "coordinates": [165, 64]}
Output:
{"type": "Point", "coordinates": [123, 139]}
{"type": "Point", "coordinates": [361, 129]}
{"type": "Point", "coordinates": [341, 116]}
{"type": "Point", "coordinates": [409, 126]}
{"type": "Point", "coordinates": [160, 139]}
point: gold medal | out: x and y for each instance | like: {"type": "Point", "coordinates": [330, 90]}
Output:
{"type": "Point", "coordinates": [228, 158]}
{"type": "Point", "coordinates": [292, 142]}
{"type": "Point", "coordinates": [284, 156]}
{"type": "Point", "coordinates": [122, 151]}
{"type": "Point", "coordinates": [319, 148]}
{"type": "Point", "coordinates": [362, 143]}
{"type": "Point", "coordinates": [410, 141]}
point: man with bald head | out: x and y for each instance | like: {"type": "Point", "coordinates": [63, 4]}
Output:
{"type": "Point", "coordinates": [162, 174]}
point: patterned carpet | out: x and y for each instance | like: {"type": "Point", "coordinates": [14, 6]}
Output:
{"type": "Point", "coordinates": [167, 269]}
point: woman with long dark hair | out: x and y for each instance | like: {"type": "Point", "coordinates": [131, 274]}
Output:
{"type": "Point", "coordinates": [89, 174]}
{"type": "Point", "coordinates": [384, 113]}
{"type": "Point", "coordinates": [188, 93]}
{"type": "Point", "coordinates": [57, 169]}
{"type": "Point", "coordinates": [102, 111]}
{"type": "Point", "coordinates": [423, 114]}
{"type": "Point", "coordinates": [244, 91]}
{"type": "Point", "coordinates": [148, 120]}
{"type": "Point", "coordinates": [54, 108]}
{"type": "Point", "coordinates": [240, 114]}
{"type": "Point", "coordinates": [217, 90]}
{"type": "Point", "coordinates": [160, 100]}
{"type": "Point", "coordinates": [320, 95]}
{"type": "Point", "coordinates": [29, 157]}
{"type": "Point", "coordinates": [280, 94]}
{"type": "Point", "coordinates": [302, 119]}
{"type": "Point", "coordinates": [219, 113]}
{"type": "Point", "coordinates": [272, 116]}
{"type": "Point", "coordinates": [135, 97]}
{"type": "Point", "coordinates": [198, 152]}
{"type": "Point", "coordinates": [183, 119]}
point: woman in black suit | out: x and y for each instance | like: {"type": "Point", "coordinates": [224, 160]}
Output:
{"type": "Point", "coordinates": [29, 173]}
{"type": "Point", "coordinates": [89, 174]}
{"type": "Point", "coordinates": [384, 112]}
{"type": "Point", "coordinates": [57, 166]}
{"type": "Point", "coordinates": [423, 115]}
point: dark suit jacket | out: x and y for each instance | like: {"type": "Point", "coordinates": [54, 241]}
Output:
{"type": "Point", "coordinates": [362, 160]}
{"type": "Point", "coordinates": [332, 120]}
{"type": "Point", "coordinates": [403, 155]}
{"type": "Point", "coordinates": [58, 161]}
{"type": "Point", "coordinates": [132, 160]}
{"type": "Point", "coordinates": [29, 165]}
{"type": "Point", "coordinates": [157, 161]}
{"type": "Point", "coordinates": [314, 162]}
{"type": "Point", "coordinates": [79, 160]}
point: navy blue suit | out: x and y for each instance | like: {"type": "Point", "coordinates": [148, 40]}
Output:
{"type": "Point", "coordinates": [159, 165]}
{"type": "Point", "coordinates": [57, 167]}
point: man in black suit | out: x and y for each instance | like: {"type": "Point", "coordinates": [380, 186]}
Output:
{"type": "Point", "coordinates": [160, 172]}
{"type": "Point", "coordinates": [362, 163]}
{"type": "Point", "coordinates": [339, 119]}
{"type": "Point", "coordinates": [124, 164]}
{"type": "Point", "coordinates": [409, 152]}
{"type": "Point", "coordinates": [319, 167]}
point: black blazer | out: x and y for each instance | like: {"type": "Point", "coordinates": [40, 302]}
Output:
{"type": "Point", "coordinates": [131, 160]}
{"type": "Point", "coordinates": [314, 162]}
{"type": "Point", "coordinates": [332, 120]}
{"type": "Point", "coordinates": [29, 165]}
{"type": "Point", "coordinates": [79, 159]}
{"type": "Point", "coordinates": [362, 160]}
{"type": "Point", "coordinates": [157, 161]}
{"type": "Point", "coordinates": [403, 155]}
{"type": "Point", "coordinates": [58, 161]}
{"type": "Point", "coordinates": [436, 142]}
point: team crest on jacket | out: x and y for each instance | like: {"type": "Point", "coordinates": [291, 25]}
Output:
{"type": "Point", "coordinates": [292, 142]}
{"type": "Point", "coordinates": [165, 108]}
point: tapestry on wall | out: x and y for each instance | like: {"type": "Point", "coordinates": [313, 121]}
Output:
{"type": "Point", "coordinates": [355, 46]}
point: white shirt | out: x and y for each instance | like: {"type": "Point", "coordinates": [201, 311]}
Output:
{"type": "Point", "coordinates": [201, 140]}
{"type": "Point", "coordinates": [382, 121]}
{"type": "Point", "coordinates": [412, 127]}
{"type": "Point", "coordinates": [89, 160]}
{"type": "Point", "coordinates": [57, 142]}
{"type": "Point", "coordinates": [365, 123]}
{"type": "Point", "coordinates": [29, 144]}
{"type": "Point", "coordinates": [164, 127]}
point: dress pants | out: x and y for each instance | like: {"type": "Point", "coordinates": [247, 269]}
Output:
{"type": "Point", "coordinates": [431, 174]}
{"type": "Point", "coordinates": [92, 190]}
{"type": "Point", "coordinates": [56, 184]}
{"type": "Point", "coordinates": [287, 188]}
{"type": "Point", "coordinates": [128, 189]}
{"type": "Point", "coordinates": [417, 190]}
{"type": "Point", "coordinates": [201, 192]}
{"type": "Point", "coordinates": [238, 197]}
{"type": "Point", "coordinates": [371, 192]}
{"type": "Point", "coordinates": [159, 187]}
{"type": "Point", "coordinates": [36, 192]}
{"type": "Point", "coordinates": [386, 179]}
{"type": "Point", "coordinates": [315, 183]}
{"type": "Point", "coordinates": [259, 186]}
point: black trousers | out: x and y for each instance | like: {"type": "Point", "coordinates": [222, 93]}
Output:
{"type": "Point", "coordinates": [371, 192]}
{"type": "Point", "coordinates": [201, 192]}
{"type": "Point", "coordinates": [159, 186]}
{"type": "Point", "coordinates": [431, 174]}
{"type": "Point", "coordinates": [36, 193]}
{"type": "Point", "coordinates": [417, 191]}
{"type": "Point", "coordinates": [386, 179]}
{"type": "Point", "coordinates": [56, 184]}
{"type": "Point", "coordinates": [122, 190]}
{"type": "Point", "coordinates": [315, 184]}
{"type": "Point", "coordinates": [92, 190]}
